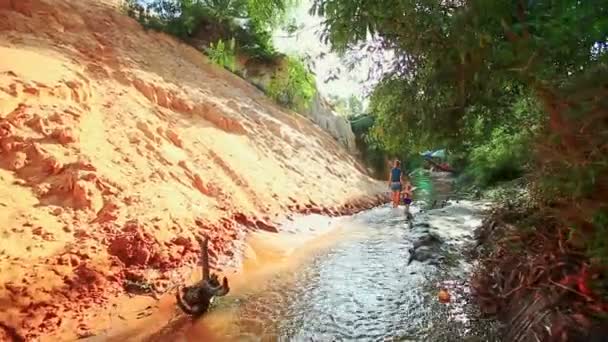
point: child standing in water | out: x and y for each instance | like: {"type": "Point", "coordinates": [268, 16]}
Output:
{"type": "Point", "coordinates": [407, 195]}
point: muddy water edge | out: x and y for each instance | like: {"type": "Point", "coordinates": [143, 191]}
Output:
{"type": "Point", "coordinates": [373, 276]}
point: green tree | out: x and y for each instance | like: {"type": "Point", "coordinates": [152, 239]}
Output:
{"type": "Point", "coordinates": [294, 86]}
{"type": "Point", "coordinates": [503, 84]}
{"type": "Point", "coordinates": [182, 17]}
{"type": "Point", "coordinates": [223, 54]}
{"type": "Point", "coordinates": [454, 57]}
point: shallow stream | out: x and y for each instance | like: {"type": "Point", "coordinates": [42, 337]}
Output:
{"type": "Point", "coordinates": [351, 279]}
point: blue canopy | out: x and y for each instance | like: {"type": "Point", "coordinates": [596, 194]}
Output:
{"type": "Point", "coordinates": [434, 154]}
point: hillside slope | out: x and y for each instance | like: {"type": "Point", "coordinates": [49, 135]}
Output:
{"type": "Point", "coordinates": [118, 145]}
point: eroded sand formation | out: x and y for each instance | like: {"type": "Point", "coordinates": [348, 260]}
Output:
{"type": "Point", "coordinates": [118, 145]}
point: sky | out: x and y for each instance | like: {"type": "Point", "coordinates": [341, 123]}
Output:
{"type": "Point", "coordinates": [306, 41]}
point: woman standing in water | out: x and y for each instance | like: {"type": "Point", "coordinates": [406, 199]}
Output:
{"type": "Point", "coordinates": [395, 179]}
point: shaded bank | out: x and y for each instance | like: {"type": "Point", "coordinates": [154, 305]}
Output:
{"type": "Point", "coordinates": [535, 278]}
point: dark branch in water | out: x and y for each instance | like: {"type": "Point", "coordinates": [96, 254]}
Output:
{"type": "Point", "coordinates": [204, 256]}
{"type": "Point", "coordinates": [195, 300]}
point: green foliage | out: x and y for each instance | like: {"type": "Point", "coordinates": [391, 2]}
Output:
{"type": "Point", "coordinates": [223, 54]}
{"type": "Point", "coordinates": [497, 148]}
{"type": "Point", "coordinates": [294, 86]}
{"type": "Point", "coordinates": [264, 15]}
{"type": "Point", "coordinates": [397, 125]}
{"type": "Point", "coordinates": [268, 13]}
{"type": "Point", "coordinates": [460, 66]}
{"type": "Point", "coordinates": [182, 18]}
{"type": "Point", "coordinates": [451, 57]}
{"type": "Point", "coordinates": [349, 108]}
{"type": "Point", "coordinates": [256, 41]}
{"type": "Point", "coordinates": [510, 88]}
{"type": "Point", "coordinates": [176, 17]}
{"type": "Point", "coordinates": [361, 124]}
{"type": "Point", "coordinates": [504, 157]}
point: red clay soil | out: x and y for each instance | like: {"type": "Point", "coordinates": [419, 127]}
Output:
{"type": "Point", "coordinates": [118, 145]}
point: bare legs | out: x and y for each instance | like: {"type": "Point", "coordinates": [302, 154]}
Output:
{"type": "Point", "coordinates": [408, 214]}
{"type": "Point", "coordinates": [395, 198]}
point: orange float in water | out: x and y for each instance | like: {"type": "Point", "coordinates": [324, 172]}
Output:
{"type": "Point", "coordinates": [444, 296]}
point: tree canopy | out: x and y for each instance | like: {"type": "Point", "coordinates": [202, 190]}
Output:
{"type": "Point", "coordinates": [511, 87]}
{"type": "Point", "coordinates": [250, 22]}
{"type": "Point", "coordinates": [461, 61]}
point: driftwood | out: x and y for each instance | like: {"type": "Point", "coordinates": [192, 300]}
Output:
{"type": "Point", "coordinates": [195, 299]}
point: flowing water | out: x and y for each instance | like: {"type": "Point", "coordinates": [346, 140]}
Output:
{"type": "Point", "coordinates": [348, 279]}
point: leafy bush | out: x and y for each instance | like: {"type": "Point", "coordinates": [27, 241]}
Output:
{"type": "Point", "coordinates": [256, 42]}
{"type": "Point", "coordinates": [504, 157]}
{"type": "Point", "coordinates": [177, 17]}
{"type": "Point", "coordinates": [223, 54]}
{"type": "Point", "coordinates": [293, 86]}
{"type": "Point", "coordinates": [268, 13]}
{"type": "Point", "coordinates": [181, 18]}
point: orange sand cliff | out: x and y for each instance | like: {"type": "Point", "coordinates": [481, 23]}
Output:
{"type": "Point", "coordinates": [118, 145]}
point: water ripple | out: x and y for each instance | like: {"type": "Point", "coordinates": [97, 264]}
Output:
{"type": "Point", "coordinates": [361, 288]}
